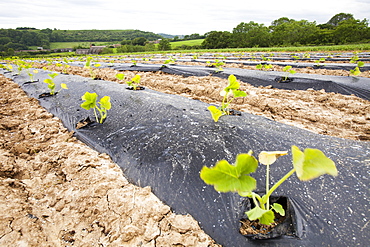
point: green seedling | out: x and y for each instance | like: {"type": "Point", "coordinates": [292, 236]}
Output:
{"type": "Point", "coordinates": [65, 67]}
{"type": "Point", "coordinates": [91, 103]}
{"type": "Point", "coordinates": [51, 84]}
{"type": "Point", "coordinates": [217, 64]}
{"type": "Point", "coordinates": [20, 65]}
{"type": "Point", "coordinates": [354, 59]}
{"type": "Point", "coordinates": [134, 62]}
{"type": "Point", "coordinates": [288, 70]}
{"type": "Point", "coordinates": [229, 93]}
{"type": "Point", "coordinates": [7, 67]}
{"type": "Point", "coordinates": [90, 68]}
{"type": "Point", "coordinates": [31, 74]}
{"type": "Point", "coordinates": [356, 71]}
{"type": "Point", "coordinates": [320, 62]}
{"type": "Point", "coordinates": [264, 66]}
{"type": "Point", "coordinates": [120, 76]}
{"type": "Point", "coordinates": [134, 83]}
{"type": "Point", "coordinates": [309, 164]}
{"type": "Point", "coordinates": [171, 60]}
{"type": "Point", "coordinates": [265, 58]}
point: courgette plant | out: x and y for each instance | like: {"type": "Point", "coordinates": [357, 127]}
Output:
{"type": "Point", "coordinates": [264, 66]}
{"type": "Point", "coordinates": [356, 71]}
{"type": "Point", "coordinates": [90, 68]}
{"type": "Point", "coordinates": [288, 70]}
{"type": "Point", "coordinates": [229, 93]}
{"type": "Point", "coordinates": [225, 177]}
{"type": "Point", "coordinates": [91, 103]}
{"type": "Point", "coordinates": [134, 83]}
{"type": "Point", "coordinates": [51, 84]}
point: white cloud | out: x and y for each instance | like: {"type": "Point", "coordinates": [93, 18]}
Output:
{"type": "Point", "coordinates": [186, 17]}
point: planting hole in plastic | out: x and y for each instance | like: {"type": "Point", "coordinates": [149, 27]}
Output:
{"type": "Point", "coordinates": [284, 226]}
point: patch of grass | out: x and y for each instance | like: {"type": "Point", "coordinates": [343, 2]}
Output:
{"type": "Point", "coordinates": [61, 45]}
{"type": "Point", "coordinates": [186, 42]}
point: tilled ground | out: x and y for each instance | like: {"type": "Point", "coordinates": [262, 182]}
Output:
{"type": "Point", "coordinates": [338, 115]}
{"type": "Point", "coordinates": [56, 191]}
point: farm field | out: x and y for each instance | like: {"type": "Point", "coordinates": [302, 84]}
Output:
{"type": "Point", "coordinates": [186, 42]}
{"type": "Point", "coordinates": [61, 191]}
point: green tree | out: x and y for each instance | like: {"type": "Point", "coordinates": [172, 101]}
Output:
{"type": "Point", "coordinates": [336, 19]}
{"type": "Point", "coordinates": [139, 41]}
{"type": "Point", "coordinates": [351, 30]}
{"type": "Point", "coordinates": [164, 45]}
{"type": "Point", "coordinates": [217, 40]}
{"type": "Point", "coordinates": [291, 32]}
{"type": "Point", "coordinates": [251, 35]}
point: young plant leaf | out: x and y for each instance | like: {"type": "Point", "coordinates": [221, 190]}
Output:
{"type": "Point", "coordinates": [239, 93]}
{"type": "Point", "coordinates": [265, 217]}
{"type": "Point", "coordinates": [225, 177]}
{"type": "Point", "coordinates": [312, 163]}
{"type": "Point", "coordinates": [105, 102]}
{"type": "Point", "coordinates": [268, 158]}
{"type": "Point", "coordinates": [53, 75]}
{"type": "Point", "coordinates": [48, 81]}
{"type": "Point", "coordinates": [360, 64]}
{"type": "Point", "coordinates": [278, 209]}
{"type": "Point", "coordinates": [63, 85]}
{"type": "Point", "coordinates": [233, 84]}
{"type": "Point", "coordinates": [136, 79]}
{"type": "Point", "coordinates": [90, 100]}
{"type": "Point", "coordinates": [120, 76]}
{"type": "Point", "coordinates": [216, 113]}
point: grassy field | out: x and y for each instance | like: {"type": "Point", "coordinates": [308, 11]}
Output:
{"type": "Point", "coordinates": [325, 49]}
{"type": "Point", "coordinates": [60, 45]}
{"type": "Point", "coordinates": [187, 42]}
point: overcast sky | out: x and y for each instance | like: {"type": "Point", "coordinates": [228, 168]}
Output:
{"type": "Point", "coordinates": [170, 17]}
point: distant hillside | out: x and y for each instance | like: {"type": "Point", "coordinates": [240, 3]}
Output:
{"type": "Point", "coordinates": [170, 36]}
{"type": "Point", "coordinates": [100, 35]}
{"type": "Point", "coordinates": [23, 38]}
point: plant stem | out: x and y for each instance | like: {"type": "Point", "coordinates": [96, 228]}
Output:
{"type": "Point", "coordinates": [280, 182]}
{"type": "Point", "coordinates": [96, 116]}
{"type": "Point", "coordinates": [267, 185]}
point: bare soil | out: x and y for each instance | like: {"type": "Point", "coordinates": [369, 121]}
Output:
{"type": "Point", "coordinates": [344, 116]}
{"type": "Point", "coordinates": [56, 191]}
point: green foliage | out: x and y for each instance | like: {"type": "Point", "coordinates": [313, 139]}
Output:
{"type": "Point", "coordinates": [135, 81]}
{"type": "Point", "coordinates": [230, 91]}
{"type": "Point", "coordinates": [120, 76]}
{"type": "Point", "coordinates": [356, 71]}
{"type": "Point", "coordinates": [320, 62]}
{"type": "Point", "coordinates": [264, 66]}
{"type": "Point", "coordinates": [288, 70]}
{"type": "Point", "coordinates": [164, 45]}
{"type": "Point", "coordinates": [217, 64]}
{"type": "Point", "coordinates": [90, 68]}
{"type": "Point", "coordinates": [309, 164]}
{"type": "Point", "coordinates": [225, 177]}
{"type": "Point", "coordinates": [51, 84]}
{"type": "Point", "coordinates": [171, 60]}
{"type": "Point", "coordinates": [91, 103]}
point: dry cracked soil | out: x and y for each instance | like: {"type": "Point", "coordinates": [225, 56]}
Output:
{"type": "Point", "coordinates": [56, 191]}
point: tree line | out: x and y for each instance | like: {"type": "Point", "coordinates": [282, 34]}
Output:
{"type": "Point", "coordinates": [342, 28]}
{"type": "Point", "coordinates": [23, 37]}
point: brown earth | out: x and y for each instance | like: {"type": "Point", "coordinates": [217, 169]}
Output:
{"type": "Point", "coordinates": [56, 191]}
{"type": "Point", "coordinates": [338, 115]}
